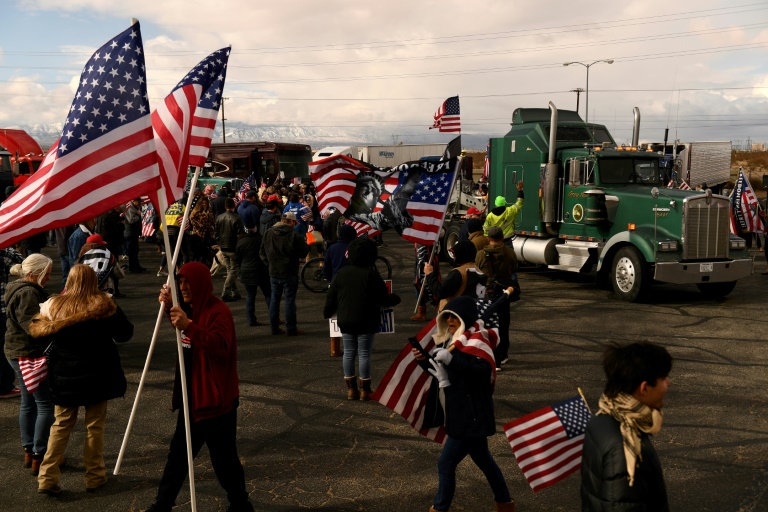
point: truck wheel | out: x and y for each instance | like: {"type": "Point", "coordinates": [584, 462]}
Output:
{"type": "Point", "coordinates": [629, 274]}
{"type": "Point", "coordinates": [716, 290]}
{"type": "Point", "coordinates": [450, 239]}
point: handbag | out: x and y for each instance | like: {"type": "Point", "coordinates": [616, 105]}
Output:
{"type": "Point", "coordinates": [314, 237]}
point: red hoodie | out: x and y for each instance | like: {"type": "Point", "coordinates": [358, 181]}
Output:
{"type": "Point", "coordinates": [212, 379]}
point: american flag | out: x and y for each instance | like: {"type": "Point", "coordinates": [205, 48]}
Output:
{"type": "Point", "coordinates": [335, 179]}
{"type": "Point", "coordinates": [547, 443]}
{"type": "Point", "coordinates": [147, 229]}
{"type": "Point", "coordinates": [106, 152]}
{"type": "Point", "coordinates": [671, 183]}
{"type": "Point", "coordinates": [34, 370]}
{"type": "Point", "coordinates": [184, 123]}
{"type": "Point", "coordinates": [487, 166]}
{"type": "Point", "coordinates": [447, 118]}
{"type": "Point", "coordinates": [245, 188]}
{"type": "Point", "coordinates": [684, 186]}
{"type": "Point", "coordinates": [744, 207]}
{"type": "Point", "coordinates": [407, 386]}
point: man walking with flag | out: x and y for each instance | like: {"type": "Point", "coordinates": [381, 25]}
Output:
{"type": "Point", "coordinates": [620, 468]}
{"type": "Point", "coordinates": [466, 380]}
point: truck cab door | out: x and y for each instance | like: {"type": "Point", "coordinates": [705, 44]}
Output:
{"type": "Point", "coordinates": [579, 206]}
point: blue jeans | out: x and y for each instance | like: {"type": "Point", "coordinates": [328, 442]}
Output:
{"type": "Point", "coordinates": [291, 286]}
{"type": "Point", "coordinates": [251, 290]}
{"type": "Point", "coordinates": [36, 414]}
{"type": "Point", "coordinates": [454, 452]}
{"type": "Point", "coordinates": [359, 345]}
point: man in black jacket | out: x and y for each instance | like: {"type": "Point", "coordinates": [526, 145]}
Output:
{"type": "Point", "coordinates": [620, 470]}
{"type": "Point", "coordinates": [281, 250]}
{"type": "Point", "coordinates": [229, 229]}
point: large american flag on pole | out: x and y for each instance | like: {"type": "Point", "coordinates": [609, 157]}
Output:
{"type": "Point", "coordinates": [448, 118]}
{"type": "Point", "coordinates": [548, 443]}
{"type": "Point", "coordinates": [407, 388]}
{"type": "Point", "coordinates": [184, 123]}
{"type": "Point", "coordinates": [413, 197]}
{"type": "Point", "coordinates": [106, 152]}
{"type": "Point", "coordinates": [744, 207]}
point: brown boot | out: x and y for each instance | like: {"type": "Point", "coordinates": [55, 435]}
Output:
{"type": "Point", "coordinates": [420, 315]}
{"type": "Point", "coordinates": [27, 459]}
{"type": "Point", "coordinates": [433, 509]}
{"type": "Point", "coordinates": [336, 347]}
{"type": "Point", "coordinates": [352, 392]}
{"type": "Point", "coordinates": [37, 460]}
{"type": "Point", "coordinates": [365, 389]}
{"type": "Point", "coordinates": [505, 507]}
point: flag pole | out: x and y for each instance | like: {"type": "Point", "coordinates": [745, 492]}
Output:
{"type": "Point", "coordinates": [171, 281]}
{"type": "Point", "coordinates": [585, 400]}
{"type": "Point", "coordinates": [434, 244]}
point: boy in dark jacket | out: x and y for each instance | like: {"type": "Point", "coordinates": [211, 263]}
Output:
{"type": "Point", "coordinates": [620, 470]}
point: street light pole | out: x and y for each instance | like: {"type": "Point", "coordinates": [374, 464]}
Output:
{"type": "Point", "coordinates": [586, 92]}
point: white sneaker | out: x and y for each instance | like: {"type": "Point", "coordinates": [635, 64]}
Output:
{"type": "Point", "coordinates": [162, 273]}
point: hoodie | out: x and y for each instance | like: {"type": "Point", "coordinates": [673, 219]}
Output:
{"type": "Point", "coordinates": [267, 220]}
{"type": "Point", "coordinates": [281, 249]}
{"type": "Point", "coordinates": [211, 356]}
{"type": "Point", "coordinates": [336, 255]}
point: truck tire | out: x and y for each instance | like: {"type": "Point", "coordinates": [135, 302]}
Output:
{"type": "Point", "coordinates": [716, 290]}
{"type": "Point", "coordinates": [450, 239]}
{"type": "Point", "coordinates": [629, 274]}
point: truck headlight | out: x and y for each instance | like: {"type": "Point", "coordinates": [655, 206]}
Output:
{"type": "Point", "coordinates": [738, 244]}
{"type": "Point", "coordinates": [668, 246]}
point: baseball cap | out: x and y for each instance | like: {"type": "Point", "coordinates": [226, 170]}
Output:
{"type": "Point", "coordinates": [495, 232]}
{"type": "Point", "coordinates": [500, 201]}
{"type": "Point", "coordinates": [251, 193]}
{"type": "Point", "coordinates": [474, 211]}
{"type": "Point", "coordinates": [95, 239]}
{"type": "Point", "coordinates": [289, 216]}
{"type": "Point", "coordinates": [274, 197]}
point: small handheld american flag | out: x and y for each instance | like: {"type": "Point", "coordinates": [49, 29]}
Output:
{"type": "Point", "coordinates": [448, 116]}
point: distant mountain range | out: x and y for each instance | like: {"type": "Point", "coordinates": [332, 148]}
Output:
{"type": "Point", "coordinates": [46, 134]}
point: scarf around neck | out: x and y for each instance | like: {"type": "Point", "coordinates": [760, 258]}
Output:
{"type": "Point", "coordinates": [634, 417]}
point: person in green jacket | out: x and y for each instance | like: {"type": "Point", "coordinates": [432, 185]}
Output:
{"type": "Point", "coordinates": [504, 216]}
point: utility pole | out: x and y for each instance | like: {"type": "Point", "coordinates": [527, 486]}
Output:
{"type": "Point", "coordinates": [223, 121]}
{"type": "Point", "coordinates": [578, 92]}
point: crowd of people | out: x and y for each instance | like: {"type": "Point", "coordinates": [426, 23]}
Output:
{"type": "Point", "coordinates": [261, 241]}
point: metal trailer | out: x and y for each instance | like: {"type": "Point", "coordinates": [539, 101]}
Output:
{"type": "Point", "coordinates": [699, 162]}
{"type": "Point", "coordinates": [389, 156]}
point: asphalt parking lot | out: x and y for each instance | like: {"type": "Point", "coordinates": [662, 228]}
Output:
{"type": "Point", "coordinates": [305, 447]}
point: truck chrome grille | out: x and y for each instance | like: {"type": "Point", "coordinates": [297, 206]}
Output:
{"type": "Point", "coordinates": [706, 227]}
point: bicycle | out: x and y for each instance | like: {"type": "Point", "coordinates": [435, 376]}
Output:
{"type": "Point", "coordinates": [313, 277]}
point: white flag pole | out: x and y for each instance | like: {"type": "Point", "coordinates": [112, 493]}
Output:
{"type": "Point", "coordinates": [434, 244]}
{"type": "Point", "coordinates": [174, 297]}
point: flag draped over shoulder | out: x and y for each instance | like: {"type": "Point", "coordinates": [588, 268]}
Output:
{"type": "Point", "coordinates": [744, 207]}
{"type": "Point", "coordinates": [448, 116]}
{"type": "Point", "coordinates": [411, 198]}
{"type": "Point", "coordinates": [105, 154]}
{"type": "Point", "coordinates": [34, 370]}
{"type": "Point", "coordinates": [548, 443]}
{"type": "Point", "coordinates": [407, 388]}
{"type": "Point", "coordinates": [184, 123]}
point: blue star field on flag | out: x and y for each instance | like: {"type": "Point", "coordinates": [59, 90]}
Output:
{"type": "Point", "coordinates": [574, 415]}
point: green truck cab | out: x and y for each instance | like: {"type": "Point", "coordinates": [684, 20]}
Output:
{"type": "Point", "coordinates": [592, 206]}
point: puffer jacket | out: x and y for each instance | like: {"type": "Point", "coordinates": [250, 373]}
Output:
{"type": "Point", "coordinates": [281, 249]}
{"type": "Point", "coordinates": [604, 477]}
{"type": "Point", "coordinates": [22, 299]}
{"type": "Point", "coordinates": [83, 362]}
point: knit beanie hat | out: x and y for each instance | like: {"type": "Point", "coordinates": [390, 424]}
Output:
{"type": "Point", "coordinates": [474, 225]}
{"type": "Point", "coordinates": [500, 201]}
{"type": "Point", "coordinates": [464, 252]}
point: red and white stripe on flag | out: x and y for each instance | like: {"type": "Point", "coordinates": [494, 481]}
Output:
{"type": "Point", "coordinates": [684, 186]}
{"type": "Point", "coordinates": [34, 370]}
{"type": "Point", "coordinates": [448, 116]}
{"type": "Point", "coordinates": [548, 443]}
{"type": "Point", "coordinates": [183, 124]}
{"type": "Point", "coordinates": [105, 155]}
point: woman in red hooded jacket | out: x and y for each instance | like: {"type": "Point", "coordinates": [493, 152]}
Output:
{"type": "Point", "coordinates": [210, 360]}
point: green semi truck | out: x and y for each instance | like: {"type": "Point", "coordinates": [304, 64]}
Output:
{"type": "Point", "coordinates": [592, 206]}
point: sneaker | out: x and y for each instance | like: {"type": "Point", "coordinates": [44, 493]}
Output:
{"type": "Point", "coordinates": [12, 393]}
{"type": "Point", "coordinates": [504, 361]}
{"type": "Point", "coordinates": [162, 273]}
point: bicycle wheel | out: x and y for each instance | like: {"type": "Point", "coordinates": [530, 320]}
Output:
{"type": "Point", "coordinates": [313, 277]}
{"type": "Point", "coordinates": [383, 267]}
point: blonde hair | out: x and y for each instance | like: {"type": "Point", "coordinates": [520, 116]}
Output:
{"type": "Point", "coordinates": [82, 293]}
{"type": "Point", "coordinates": [33, 265]}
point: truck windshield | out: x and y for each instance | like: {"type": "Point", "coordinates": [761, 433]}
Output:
{"type": "Point", "coordinates": [629, 170]}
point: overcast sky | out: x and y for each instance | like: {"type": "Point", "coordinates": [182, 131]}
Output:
{"type": "Point", "coordinates": [697, 67]}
